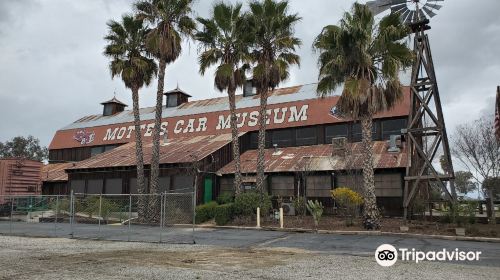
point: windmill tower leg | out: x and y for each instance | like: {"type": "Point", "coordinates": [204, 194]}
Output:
{"type": "Point", "coordinates": [426, 132]}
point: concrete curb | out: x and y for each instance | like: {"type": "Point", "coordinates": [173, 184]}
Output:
{"type": "Point", "coordinates": [369, 233]}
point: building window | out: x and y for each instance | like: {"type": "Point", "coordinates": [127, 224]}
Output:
{"type": "Point", "coordinates": [282, 138]}
{"type": "Point", "coordinates": [282, 186]}
{"type": "Point", "coordinates": [96, 150]}
{"type": "Point", "coordinates": [164, 184]}
{"type": "Point", "coordinates": [78, 186]}
{"type": "Point", "coordinates": [172, 100]}
{"type": "Point", "coordinates": [357, 133]}
{"type": "Point", "coordinates": [334, 131]}
{"type": "Point", "coordinates": [94, 186]}
{"type": "Point", "coordinates": [306, 136]}
{"type": "Point", "coordinates": [226, 185]}
{"type": "Point", "coordinates": [183, 183]}
{"type": "Point", "coordinates": [318, 186]}
{"type": "Point", "coordinates": [108, 110]}
{"type": "Point", "coordinates": [392, 127]}
{"type": "Point", "coordinates": [114, 186]}
{"type": "Point", "coordinates": [388, 185]}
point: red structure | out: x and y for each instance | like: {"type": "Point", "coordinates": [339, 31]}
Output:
{"type": "Point", "coordinates": [19, 177]}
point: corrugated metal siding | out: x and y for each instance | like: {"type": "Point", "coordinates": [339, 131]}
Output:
{"type": "Point", "coordinates": [19, 177]}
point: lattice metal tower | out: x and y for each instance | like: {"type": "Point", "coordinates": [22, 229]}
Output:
{"type": "Point", "coordinates": [426, 132]}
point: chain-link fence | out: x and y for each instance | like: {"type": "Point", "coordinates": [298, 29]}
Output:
{"type": "Point", "coordinates": [165, 217]}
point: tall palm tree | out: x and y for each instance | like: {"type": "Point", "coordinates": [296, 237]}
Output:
{"type": "Point", "coordinates": [126, 50]}
{"type": "Point", "coordinates": [170, 21]}
{"type": "Point", "coordinates": [273, 51]}
{"type": "Point", "coordinates": [366, 58]}
{"type": "Point", "coordinates": [224, 44]}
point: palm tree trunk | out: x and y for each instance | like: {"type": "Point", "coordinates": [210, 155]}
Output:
{"type": "Point", "coordinates": [261, 140]}
{"type": "Point", "coordinates": [139, 154]}
{"type": "Point", "coordinates": [154, 202]}
{"type": "Point", "coordinates": [235, 139]}
{"type": "Point", "coordinates": [370, 210]}
{"type": "Point", "coordinates": [155, 156]}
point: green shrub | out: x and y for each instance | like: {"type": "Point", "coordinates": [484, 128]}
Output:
{"type": "Point", "coordinates": [223, 214]}
{"type": "Point", "coordinates": [299, 203]}
{"type": "Point", "coordinates": [316, 210]}
{"type": "Point", "coordinates": [225, 198]}
{"type": "Point", "coordinates": [205, 212]}
{"type": "Point", "coordinates": [246, 203]}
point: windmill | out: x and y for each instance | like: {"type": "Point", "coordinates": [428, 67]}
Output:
{"type": "Point", "coordinates": [426, 130]}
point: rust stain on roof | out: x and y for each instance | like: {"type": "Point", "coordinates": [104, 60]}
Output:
{"type": "Point", "coordinates": [317, 158]}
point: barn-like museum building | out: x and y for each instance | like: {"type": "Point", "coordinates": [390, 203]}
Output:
{"type": "Point", "coordinates": [310, 149]}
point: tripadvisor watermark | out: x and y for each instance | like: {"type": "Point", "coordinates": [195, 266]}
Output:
{"type": "Point", "coordinates": [388, 255]}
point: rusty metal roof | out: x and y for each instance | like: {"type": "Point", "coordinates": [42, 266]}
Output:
{"type": "Point", "coordinates": [281, 95]}
{"type": "Point", "coordinates": [54, 172]}
{"type": "Point", "coordinates": [178, 150]}
{"type": "Point", "coordinates": [317, 158]}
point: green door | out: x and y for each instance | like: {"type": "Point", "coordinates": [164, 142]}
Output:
{"type": "Point", "coordinates": [207, 197]}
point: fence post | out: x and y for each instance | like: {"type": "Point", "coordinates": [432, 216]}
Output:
{"type": "Point", "coordinates": [194, 212]}
{"type": "Point", "coordinates": [161, 215]}
{"type": "Point", "coordinates": [129, 215]}
{"type": "Point", "coordinates": [55, 220]}
{"type": "Point", "coordinates": [11, 213]}
{"type": "Point", "coordinates": [281, 217]}
{"type": "Point", "coordinates": [258, 217]}
{"type": "Point", "coordinates": [100, 217]}
{"type": "Point", "coordinates": [71, 213]}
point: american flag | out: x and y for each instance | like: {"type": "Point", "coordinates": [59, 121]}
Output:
{"type": "Point", "coordinates": [497, 114]}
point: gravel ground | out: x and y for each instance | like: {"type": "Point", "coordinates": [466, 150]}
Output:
{"type": "Point", "coordinates": [52, 258]}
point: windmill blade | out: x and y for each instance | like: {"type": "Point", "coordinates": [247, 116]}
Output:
{"type": "Point", "coordinates": [404, 15]}
{"type": "Point", "coordinates": [433, 6]}
{"type": "Point", "coordinates": [421, 15]}
{"type": "Point", "coordinates": [396, 2]}
{"type": "Point", "coordinates": [411, 17]}
{"type": "Point", "coordinates": [379, 6]}
{"type": "Point", "coordinates": [428, 11]}
{"type": "Point", "coordinates": [398, 8]}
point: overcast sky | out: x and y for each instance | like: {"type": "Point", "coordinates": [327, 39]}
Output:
{"type": "Point", "coordinates": [52, 71]}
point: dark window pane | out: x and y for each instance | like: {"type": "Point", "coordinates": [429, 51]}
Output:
{"type": "Point", "coordinates": [172, 100]}
{"type": "Point", "coordinates": [392, 127]}
{"type": "Point", "coordinates": [334, 131]}
{"type": "Point", "coordinates": [114, 186]}
{"type": "Point", "coordinates": [306, 136]}
{"type": "Point", "coordinates": [254, 140]}
{"type": "Point", "coordinates": [283, 138]}
{"type": "Point", "coordinates": [94, 186]}
{"type": "Point", "coordinates": [108, 110]}
{"type": "Point", "coordinates": [78, 186]}
{"type": "Point", "coordinates": [183, 183]}
{"type": "Point", "coordinates": [96, 150]}
{"type": "Point", "coordinates": [357, 134]}
{"type": "Point", "coordinates": [109, 147]}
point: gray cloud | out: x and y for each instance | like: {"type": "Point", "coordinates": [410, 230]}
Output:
{"type": "Point", "coordinates": [53, 71]}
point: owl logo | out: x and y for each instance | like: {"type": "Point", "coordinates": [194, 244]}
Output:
{"type": "Point", "coordinates": [334, 112]}
{"type": "Point", "coordinates": [84, 137]}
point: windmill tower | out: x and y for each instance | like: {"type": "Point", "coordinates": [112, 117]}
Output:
{"type": "Point", "coordinates": [426, 132]}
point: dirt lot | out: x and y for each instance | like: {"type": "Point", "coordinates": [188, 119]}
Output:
{"type": "Point", "coordinates": [32, 258]}
{"type": "Point", "coordinates": [388, 225]}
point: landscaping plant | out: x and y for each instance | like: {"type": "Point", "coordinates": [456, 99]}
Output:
{"type": "Point", "coordinates": [205, 212]}
{"type": "Point", "coordinates": [315, 208]}
{"type": "Point", "coordinates": [349, 201]}
{"type": "Point", "coordinates": [246, 203]}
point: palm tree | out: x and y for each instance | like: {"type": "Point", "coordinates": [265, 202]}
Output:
{"type": "Point", "coordinates": [126, 50]}
{"type": "Point", "coordinates": [273, 51]}
{"type": "Point", "coordinates": [366, 59]}
{"type": "Point", "coordinates": [224, 44]}
{"type": "Point", "coordinates": [170, 22]}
